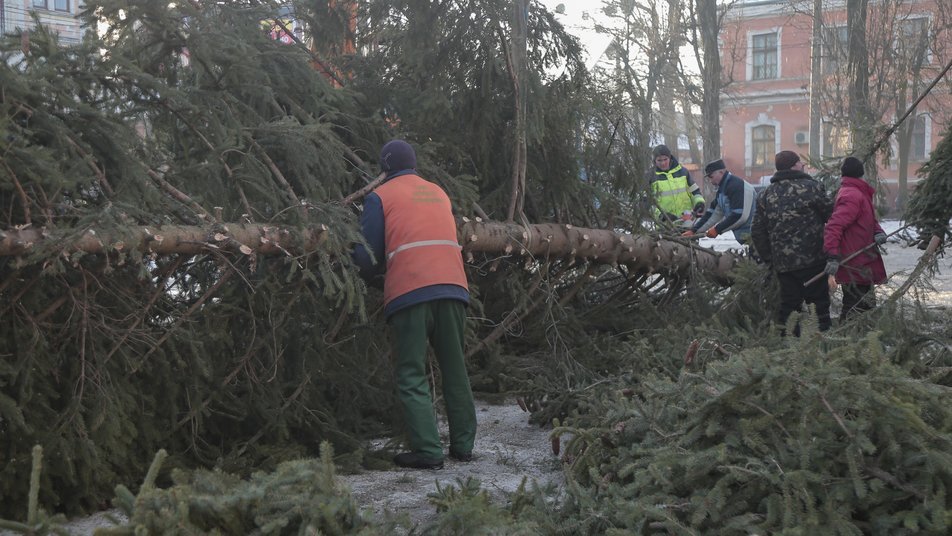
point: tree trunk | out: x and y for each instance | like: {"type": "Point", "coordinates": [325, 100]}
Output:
{"type": "Point", "coordinates": [904, 143]}
{"type": "Point", "coordinates": [912, 54]}
{"type": "Point", "coordinates": [174, 239]}
{"type": "Point", "coordinates": [639, 253]}
{"type": "Point", "coordinates": [816, 80]}
{"type": "Point", "coordinates": [517, 67]}
{"type": "Point", "coordinates": [862, 124]}
{"type": "Point", "coordinates": [667, 115]}
{"type": "Point", "coordinates": [691, 129]}
{"type": "Point", "coordinates": [709, 23]}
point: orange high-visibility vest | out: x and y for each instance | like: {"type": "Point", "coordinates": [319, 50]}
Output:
{"type": "Point", "coordinates": [420, 237]}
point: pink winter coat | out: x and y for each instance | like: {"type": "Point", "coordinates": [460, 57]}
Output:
{"type": "Point", "coordinates": [851, 228]}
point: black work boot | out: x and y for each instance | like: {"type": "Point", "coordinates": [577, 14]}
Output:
{"type": "Point", "coordinates": [461, 457]}
{"type": "Point", "coordinates": [415, 460]}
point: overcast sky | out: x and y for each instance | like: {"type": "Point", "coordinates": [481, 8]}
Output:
{"type": "Point", "coordinates": [578, 18]}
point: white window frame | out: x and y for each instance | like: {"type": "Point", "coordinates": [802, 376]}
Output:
{"type": "Point", "coordinates": [761, 121]}
{"type": "Point", "coordinates": [928, 60]}
{"type": "Point", "coordinates": [926, 138]}
{"type": "Point", "coordinates": [50, 5]}
{"type": "Point", "coordinates": [823, 148]}
{"type": "Point", "coordinates": [894, 143]}
{"type": "Point", "coordinates": [834, 29]}
{"type": "Point", "coordinates": [750, 52]}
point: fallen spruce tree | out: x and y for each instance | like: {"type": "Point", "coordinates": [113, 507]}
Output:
{"type": "Point", "coordinates": [533, 242]}
{"type": "Point", "coordinates": [175, 266]}
{"type": "Point", "coordinates": [233, 359]}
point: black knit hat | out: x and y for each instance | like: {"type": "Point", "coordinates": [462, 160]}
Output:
{"type": "Point", "coordinates": [852, 167]}
{"type": "Point", "coordinates": [661, 150]}
{"type": "Point", "coordinates": [397, 155]}
{"type": "Point", "coordinates": [786, 160]}
{"type": "Point", "coordinates": [711, 167]}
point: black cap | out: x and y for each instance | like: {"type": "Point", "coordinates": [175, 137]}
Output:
{"type": "Point", "coordinates": [786, 160]}
{"type": "Point", "coordinates": [397, 155]}
{"type": "Point", "coordinates": [713, 166]}
{"type": "Point", "coordinates": [852, 167]}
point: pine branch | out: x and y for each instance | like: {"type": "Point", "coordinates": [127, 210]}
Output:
{"type": "Point", "coordinates": [91, 162]}
{"type": "Point", "coordinates": [24, 199]}
{"type": "Point", "coordinates": [889, 478]}
{"type": "Point", "coordinates": [160, 291]}
{"type": "Point", "coordinates": [179, 195]}
{"type": "Point", "coordinates": [281, 180]}
{"type": "Point", "coordinates": [225, 276]}
{"type": "Point", "coordinates": [514, 316]}
{"type": "Point", "coordinates": [359, 194]}
{"type": "Point", "coordinates": [926, 260]}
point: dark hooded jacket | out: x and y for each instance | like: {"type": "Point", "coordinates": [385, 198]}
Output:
{"type": "Point", "coordinates": [787, 230]}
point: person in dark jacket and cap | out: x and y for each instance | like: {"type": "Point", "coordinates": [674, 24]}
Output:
{"type": "Point", "coordinates": [787, 233]}
{"type": "Point", "coordinates": [854, 227]}
{"type": "Point", "coordinates": [675, 194]}
{"type": "Point", "coordinates": [408, 223]}
{"type": "Point", "coordinates": [733, 206]}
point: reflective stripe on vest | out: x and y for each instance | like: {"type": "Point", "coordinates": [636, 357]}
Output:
{"type": "Point", "coordinates": [672, 192]}
{"type": "Point", "coordinates": [418, 213]}
{"type": "Point", "coordinates": [422, 243]}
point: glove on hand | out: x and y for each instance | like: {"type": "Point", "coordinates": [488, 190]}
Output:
{"type": "Point", "coordinates": [712, 232]}
{"type": "Point", "coordinates": [880, 238]}
{"type": "Point", "coordinates": [832, 265]}
{"type": "Point", "coordinates": [699, 210]}
{"type": "Point", "coordinates": [687, 234]}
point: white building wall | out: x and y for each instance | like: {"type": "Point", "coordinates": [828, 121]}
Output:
{"type": "Point", "coordinates": [17, 16]}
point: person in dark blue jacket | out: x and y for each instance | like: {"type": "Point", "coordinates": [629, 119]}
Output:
{"type": "Point", "coordinates": [732, 208]}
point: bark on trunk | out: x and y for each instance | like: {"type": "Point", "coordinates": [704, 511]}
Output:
{"type": "Point", "coordinates": [638, 253]}
{"type": "Point", "coordinates": [174, 239]}
{"type": "Point", "coordinates": [710, 24]}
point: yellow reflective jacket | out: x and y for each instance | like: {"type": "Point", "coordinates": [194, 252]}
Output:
{"type": "Point", "coordinates": [674, 191]}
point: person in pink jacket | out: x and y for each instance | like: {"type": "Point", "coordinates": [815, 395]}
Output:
{"type": "Point", "coordinates": [853, 227]}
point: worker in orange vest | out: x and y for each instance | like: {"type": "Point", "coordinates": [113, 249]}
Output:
{"type": "Point", "coordinates": [409, 225]}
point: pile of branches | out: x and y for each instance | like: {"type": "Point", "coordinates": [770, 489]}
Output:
{"type": "Point", "coordinates": [185, 115]}
{"type": "Point", "coordinates": [816, 436]}
{"type": "Point", "coordinates": [176, 222]}
{"type": "Point", "coordinates": [188, 115]}
{"type": "Point", "coordinates": [707, 429]}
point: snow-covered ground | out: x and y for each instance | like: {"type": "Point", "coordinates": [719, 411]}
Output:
{"type": "Point", "coordinates": [508, 449]}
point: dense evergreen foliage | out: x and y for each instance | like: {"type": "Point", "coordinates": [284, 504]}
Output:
{"type": "Point", "coordinates": [188, 113]}
{"type": "Point", "coordinates": [930, 206]}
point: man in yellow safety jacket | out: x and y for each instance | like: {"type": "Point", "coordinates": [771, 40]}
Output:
{"type": "Point", "coordinates": [675, 193]}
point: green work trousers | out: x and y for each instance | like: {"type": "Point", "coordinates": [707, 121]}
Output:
{"type": "Point", "coordinates": [441, 323]}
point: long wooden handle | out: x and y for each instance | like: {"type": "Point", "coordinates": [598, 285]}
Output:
{"type": "Point", "coordinates": [852, 255]}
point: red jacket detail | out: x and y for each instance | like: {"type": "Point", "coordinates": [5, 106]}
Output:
{"type": "Point", "coordinates": [418, 217]}
{"type": "Point", "coordinates": [851, 228]}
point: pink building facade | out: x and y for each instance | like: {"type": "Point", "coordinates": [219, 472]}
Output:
{"type": "Point", "coordinates": [766, 52]}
